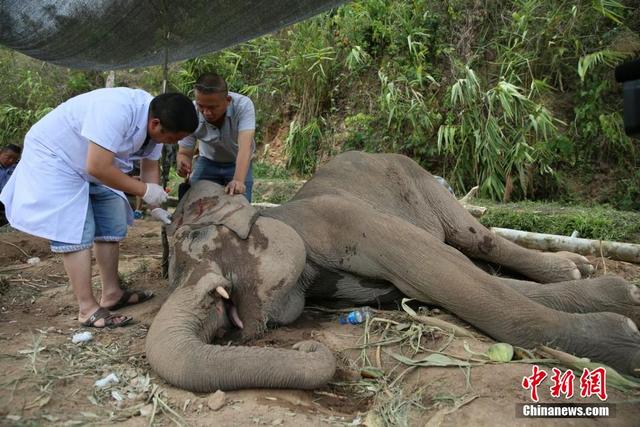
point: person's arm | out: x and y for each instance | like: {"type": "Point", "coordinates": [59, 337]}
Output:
{"type": "Point", "coordinates": [150, 171]}
{"type": "Point", "coordinates": [243, 160]}
{"type": "Point", "coordinates": [183, 160]}
{"type": "Point", "coordinates": [100, 165]}
{"type": "Point", "coordinates": [246, 131]}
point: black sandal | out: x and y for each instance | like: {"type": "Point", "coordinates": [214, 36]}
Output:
{"type": "Point", "coordinates": [108, 317]}
{"type": "Point", "coordinates": [126, 295]}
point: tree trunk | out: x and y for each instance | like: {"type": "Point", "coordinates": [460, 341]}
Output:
{"type": "Point", "coordinates": [553, 243]}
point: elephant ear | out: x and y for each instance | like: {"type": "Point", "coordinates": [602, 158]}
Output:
{"type": "Point", "coordinates": [207, 204]}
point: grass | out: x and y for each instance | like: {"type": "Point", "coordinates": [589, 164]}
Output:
{"type": "Point", "coordinates": [592, 222]}
{"type": "Point", "coordinates": [275, 190]}
{"type": "Point", "coordinates": [264, 170]}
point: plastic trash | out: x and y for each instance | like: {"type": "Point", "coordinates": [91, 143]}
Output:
{"type": "Point", "coordinates": [354, 317]}
{"type": "Point", "coordinates": [137, 214]}
{"type": "Point", "coordinates": [33, 261]}
{"type": "Point", "coordinates": [108, 380]}
{"type": "Point", "coordinates": [116, 395]}
{"type": "Point", "coordinates": [82, 337]}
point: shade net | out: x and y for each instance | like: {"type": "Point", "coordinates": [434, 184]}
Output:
{"type": "Point", "coordinates": [112, 34]}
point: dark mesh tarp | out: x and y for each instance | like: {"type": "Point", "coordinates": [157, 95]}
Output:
{"type": "Point", "coordinates": [111, 34]}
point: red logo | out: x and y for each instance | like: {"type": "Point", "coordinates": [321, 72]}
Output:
{"type": "Point", "coordinates": [534, 381]}
{"type": "Point", "coordinates": [592, 382]}
{"type": "Point", "coordinates": [562, 383]}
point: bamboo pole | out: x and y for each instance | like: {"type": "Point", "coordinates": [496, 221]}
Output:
{"type": "Point", "coordinates": [553, 243]}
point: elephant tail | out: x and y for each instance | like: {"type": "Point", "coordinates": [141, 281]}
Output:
{"type": "Point", "coordinates": [178, 350]}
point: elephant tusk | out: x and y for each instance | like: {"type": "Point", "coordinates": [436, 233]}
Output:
{"type": "Point", "coordinates": [223, 293]}
{"type": "Point", "coordinates": [235, 318]}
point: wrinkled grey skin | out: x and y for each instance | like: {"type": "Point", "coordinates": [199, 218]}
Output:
{"type": "Point", "coordinates": [368, 228]}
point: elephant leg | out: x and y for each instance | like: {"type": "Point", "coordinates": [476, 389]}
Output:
{"type": "Point", "coordinates": [424, 268]}
{"type": "Point", "coordinates": [465, 233]}
{"type": "Point", "coordinates": [607, 293]}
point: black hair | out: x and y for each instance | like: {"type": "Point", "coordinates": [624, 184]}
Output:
{"type": "Point", "coordinates": [211, 83]}
{"type": "Point", "coordinates": [11, 147]}
{"type": "Point", "coordinates": [175, 111]}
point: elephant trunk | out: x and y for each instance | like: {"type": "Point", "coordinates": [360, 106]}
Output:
{"type": "Point", "coordinates": [178, 349]}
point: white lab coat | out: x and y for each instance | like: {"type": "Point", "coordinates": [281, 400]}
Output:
{"type": "Point", "coordinates": [48, 194]}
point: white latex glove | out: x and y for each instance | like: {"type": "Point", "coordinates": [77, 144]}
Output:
{"type": "Point", "coordinates": [154, 195]}
{"type": "Point", "coordinates": [161, 215]}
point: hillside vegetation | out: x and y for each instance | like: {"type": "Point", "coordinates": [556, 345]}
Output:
{"type": "Point", "coordinates": [515, 96]}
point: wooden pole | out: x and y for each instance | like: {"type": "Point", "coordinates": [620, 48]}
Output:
{"type": "Point", "coordinates": [166, 167]}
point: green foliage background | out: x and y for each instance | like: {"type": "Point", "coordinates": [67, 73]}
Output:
{"type": "Point", "coordinates": [517, 97]}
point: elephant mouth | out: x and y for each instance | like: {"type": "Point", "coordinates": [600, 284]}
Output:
{"type": "Point", "coordinates": [232, 314]}
{"type": "Point", "coordinates": [233, 326]}
{"type": "Point", "coordinates": [227, 311]}
{"type": "Point", "coordinates": [238, 316]}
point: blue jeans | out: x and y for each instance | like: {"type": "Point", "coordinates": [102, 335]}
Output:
{"type": "Point", "coordinates": [106, 220]}
{"type": "Point", "coordinates": [220, 173]}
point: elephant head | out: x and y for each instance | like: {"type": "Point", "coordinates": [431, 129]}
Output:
{"type": "Point", "coordinates": [232, 270]}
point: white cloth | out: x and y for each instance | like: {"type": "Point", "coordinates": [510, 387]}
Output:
{"type": "Point", "coordinates": [221, 144]}
{"type": "Point", "coordinates": [48, 193]}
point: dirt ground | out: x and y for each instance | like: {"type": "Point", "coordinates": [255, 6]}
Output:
{"type": "Point", "coordinates": [49, 380]}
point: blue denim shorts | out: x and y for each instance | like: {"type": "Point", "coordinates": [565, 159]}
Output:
{"type": "Point", "coordinates": [106, 220]}
{"type": "Point", "coordinates": [220, 173]}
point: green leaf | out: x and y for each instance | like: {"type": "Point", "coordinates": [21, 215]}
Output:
{"type": "Point", "coordinates": [606, 56]}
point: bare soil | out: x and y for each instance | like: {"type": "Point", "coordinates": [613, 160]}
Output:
{"type": "Point", "coordinates": [49, 380]}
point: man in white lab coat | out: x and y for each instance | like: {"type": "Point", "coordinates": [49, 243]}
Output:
{"type": "Point", "coordinates": [69, 186]}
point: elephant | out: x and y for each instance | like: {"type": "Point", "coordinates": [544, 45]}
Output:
{"type": "Point", "coordinates": [366, 229]}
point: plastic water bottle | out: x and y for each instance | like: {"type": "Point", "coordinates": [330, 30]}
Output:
{"type": "Point", "coordinates": [354, 317]}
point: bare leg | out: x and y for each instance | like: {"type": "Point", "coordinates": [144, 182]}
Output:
{"type": "Point", "coordinates": [78, 268]}
{"type": "Point", "coordinates": [107, 257]}
{"type": "Point", "coordinates": [107, 254]}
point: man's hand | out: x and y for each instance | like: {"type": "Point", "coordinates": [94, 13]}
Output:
{"type": "Point", "coordinates": [235, 187]}
{"type": "Point", "coordinates": [161, 215]}
{"type": "Point", "coordinates": [184, 165]}
{"type": "Point", "coordinates": [155, 195]}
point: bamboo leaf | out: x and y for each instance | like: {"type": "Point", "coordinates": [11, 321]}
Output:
{"type": "Point", "coordinates": [434, 359]}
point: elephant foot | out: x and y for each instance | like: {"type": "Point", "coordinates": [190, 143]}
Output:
{"type": "Point", "coordinates": [616, 295]}
{"type": "Point", "coordinates": [607, 338]}
{"type": "Point", "coordinates": [549, 267]}
{"type": "Point", "coordinates": [582, 263]}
